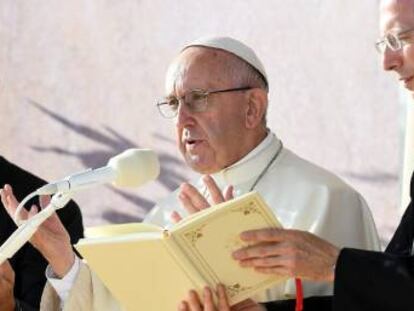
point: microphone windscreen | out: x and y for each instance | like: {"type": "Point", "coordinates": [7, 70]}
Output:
{"type": "Point", "coordinates": [135, 167]}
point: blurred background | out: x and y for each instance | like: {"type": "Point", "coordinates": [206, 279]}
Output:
{"type": "Point", "coordinates": [79, 82]}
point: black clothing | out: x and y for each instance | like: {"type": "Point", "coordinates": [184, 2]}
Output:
{"type": "Point", "coordinates": [379, 281]}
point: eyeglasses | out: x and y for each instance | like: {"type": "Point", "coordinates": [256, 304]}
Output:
{"type": "Point", "coordinates": [393, 41]}
{"type": "Point", "coordinates": [195, 100]}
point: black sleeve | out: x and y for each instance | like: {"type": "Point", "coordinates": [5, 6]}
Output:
{"type": "Point", "coordinates": [319, 303]}
{"type": "Point", "coordinates": [366, 280]}
{"type": "Point", "coordinates": [28, 264]}
{"type": "Point", "coordinates": [22, 306]}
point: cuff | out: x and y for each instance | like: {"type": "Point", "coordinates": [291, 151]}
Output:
{"type": "Point", "coordinates": [62, 286]}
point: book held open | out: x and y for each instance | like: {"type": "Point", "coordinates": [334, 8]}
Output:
{"type": "Point", "coordinates": [150, 268]}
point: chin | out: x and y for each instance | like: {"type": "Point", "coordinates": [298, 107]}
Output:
{"type": "Point", "coordinates": [200, 166]}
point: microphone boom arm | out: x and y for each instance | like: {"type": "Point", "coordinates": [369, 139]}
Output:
{"type": "Point", "coordinates": [26, 230]}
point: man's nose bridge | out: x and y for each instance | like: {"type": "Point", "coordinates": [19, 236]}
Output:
{"type": "Point", "coordinates": [183, 111]}
{"type": "Point", "coordinates": [391, 59]}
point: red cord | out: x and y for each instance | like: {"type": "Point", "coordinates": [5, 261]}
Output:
{"type": "Point", "coordinates": [299, 295]}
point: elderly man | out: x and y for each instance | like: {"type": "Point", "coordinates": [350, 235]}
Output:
{"type": "Point", "coordinates": [363, 280]}
{"type": "Point", "coordinates": [217, 94]}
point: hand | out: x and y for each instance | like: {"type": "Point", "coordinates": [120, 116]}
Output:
{"type": "Point", "coordinates": [290, 253]}
{"type": "Point", "coordinates": [51, 238]}
{"type": "Point", "coordinates": [194, 303]}
{"type": "Point", "coordinates": [7, 302]}
{"type": "Point", "coordinates": [193, 201]}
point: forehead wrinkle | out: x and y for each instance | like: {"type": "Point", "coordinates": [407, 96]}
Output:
{"type": "Point", "coordinates": [396, 6]}
{"type": "Point", "coordinates": [175, 74]}
{"type": "Point", "coordinates": [394, 15]}
{"type": "Point", "coordinates": [213, 61]}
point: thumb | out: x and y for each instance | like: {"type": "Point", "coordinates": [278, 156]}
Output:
{"type": "Point", "coordinates": [175, 217]}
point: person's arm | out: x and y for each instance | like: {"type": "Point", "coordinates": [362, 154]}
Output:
{"type": "Point", "coordinates": [51, 239]}
{"type": "Point", "coordinates": [28, 263]}
{"type": "Point", "coordinates": [22, 306]}
{"type": "Point", "coordinates": [7, 301]}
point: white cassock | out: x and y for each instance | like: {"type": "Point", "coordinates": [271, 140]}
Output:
{"type": "Point", "coordinates": [302, 195]}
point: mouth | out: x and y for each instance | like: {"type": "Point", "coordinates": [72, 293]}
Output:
{"type": "Point", "coordinates": [406, 80]}
{"type": "Point", "coordinates": [192, 143]}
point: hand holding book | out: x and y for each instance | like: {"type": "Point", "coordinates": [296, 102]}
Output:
{"type": "Point", "coordinates": [206, 303]}
{"type": "Point", "coordinates": [153, 262]}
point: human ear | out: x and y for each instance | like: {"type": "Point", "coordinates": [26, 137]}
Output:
{"type": "Point", "coordinates": [256, 107]}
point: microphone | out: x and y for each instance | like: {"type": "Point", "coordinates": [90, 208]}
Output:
{"type": "Point", "coordinates": [131, 168]}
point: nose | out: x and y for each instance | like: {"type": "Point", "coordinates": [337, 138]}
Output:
{"type": "Point", "coordinates": [184, 116]}
{"type": "Point", "coordinates": [392, 60]}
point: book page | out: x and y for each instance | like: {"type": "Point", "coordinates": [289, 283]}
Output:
{"type": "Point", "coordinates": [138, 270]}
{"type": "Point", "coordinates": [210, 237]}
{"type": "Point", "coordinates": [120, 229]}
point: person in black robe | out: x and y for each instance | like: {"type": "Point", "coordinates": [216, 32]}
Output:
{"type": "Point", "coordinates": [28, 264]}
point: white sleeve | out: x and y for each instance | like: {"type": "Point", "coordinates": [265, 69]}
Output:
{"type": "Point", "coordinates": [62, 286]}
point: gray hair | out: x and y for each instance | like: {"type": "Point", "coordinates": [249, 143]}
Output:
{"type": "Point", "coordinates": [244, 74]}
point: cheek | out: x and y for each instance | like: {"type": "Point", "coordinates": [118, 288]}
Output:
{"type": "Point", "coordinates": [178, 134]}
{"type": "Point", "coordinates": [223, 134]}
{"type": "Point", "coordinates": [409, 55]}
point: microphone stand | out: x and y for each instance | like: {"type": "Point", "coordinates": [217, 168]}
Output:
{"type": "Point", "coordinates": [27, 228]}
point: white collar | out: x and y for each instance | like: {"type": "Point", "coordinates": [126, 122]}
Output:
{"type": "Point", "coordinates": [251, 165]}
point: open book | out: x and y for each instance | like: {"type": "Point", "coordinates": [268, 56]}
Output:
{"type": "Point", "coordinates": [150, 268]}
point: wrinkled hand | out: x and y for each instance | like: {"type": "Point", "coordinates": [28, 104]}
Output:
{"type": "Point", "coordinates": [193, 201]}
{"type": "Point", "coordinates": [194, 303]}
{"type": "Point", "coordinates": [290, 253]}
{"type": "Point", "coordinates": [7, 302]}
{"type": "Point", "coordinates": [51, 239]}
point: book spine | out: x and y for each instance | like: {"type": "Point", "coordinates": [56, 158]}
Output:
{"type": "Point", "coordinates": [184, 262]}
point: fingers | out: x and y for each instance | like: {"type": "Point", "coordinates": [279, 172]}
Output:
{"type": "Point", "coordinates": [194, 302]}
{"type": "Point", "coordinates": [7, 272]}
{"type": "Point", "coordinates": [10, 202]}
{"type": "Point", "coordinates": [183, 306]}
{"type": "Point", "coordinates": [261, 262]}
{"type": "Point", "coordinates": [191, 199]}
{"type": "Point", "coordinates": [266, 235]}
{"type": "Point", "coordinates": [208, 300]}
{"type": "Point", "coordinates": [33, 211]}
{"type": "Point", "coordinates": [215, 192]}
{"type": "Point", "coordinates": [248, 304]}
{"type": "Point", "coordinates": [223, 304]}
{"type": "Point", "coordinates": [259, 251]}
{"type": "Point", "coordinates": [44, 201]}
{"type": "Point", "coordinates": [175, 217]}
{"type": "Point", "coordinates": [228, 193]}
{"type": "Point", "coordinates": [278, 270]}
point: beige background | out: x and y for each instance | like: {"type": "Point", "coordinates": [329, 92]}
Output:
{"type": "Point", "coordinates": [80, 79]}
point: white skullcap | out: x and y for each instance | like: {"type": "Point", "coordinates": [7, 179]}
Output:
{"type": "Point", "coordinates": [232, 46]}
